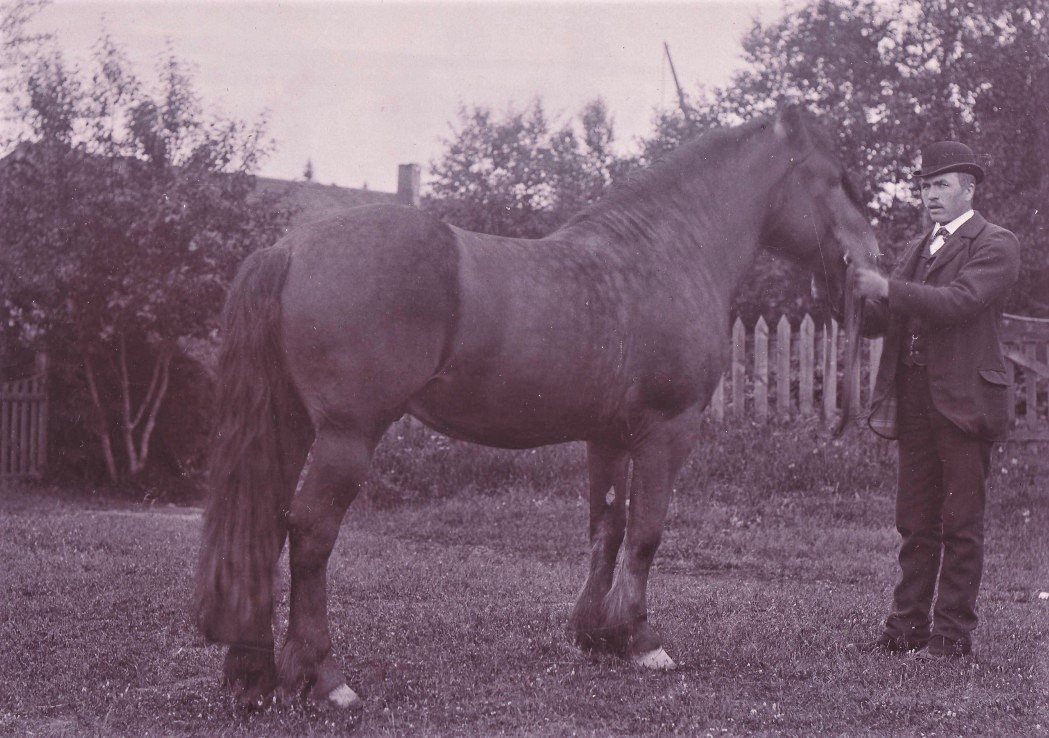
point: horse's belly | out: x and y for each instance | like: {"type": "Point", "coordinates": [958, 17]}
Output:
{"type": "Point", "coordinates": [511, 419]}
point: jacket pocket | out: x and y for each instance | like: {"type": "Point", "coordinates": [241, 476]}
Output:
{"type": "Point", "coordinates": [995, 376]}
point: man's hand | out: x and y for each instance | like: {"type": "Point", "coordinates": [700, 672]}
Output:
{"type": "Point", "coordinates": [870, 284]}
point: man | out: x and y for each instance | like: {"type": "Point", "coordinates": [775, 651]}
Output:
{"type": "Point", "coordinates": [942, 392]}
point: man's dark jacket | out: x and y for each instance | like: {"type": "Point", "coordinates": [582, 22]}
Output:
{"type": "Point", "coordinates": [959, 306]}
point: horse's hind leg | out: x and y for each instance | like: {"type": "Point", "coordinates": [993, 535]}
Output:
{"type": "Point", "coordinates": [338, 467]}
{"type": "Point", "coordinates": [608, 471]}
{"type": "Point", "coordinates": [248, 668]}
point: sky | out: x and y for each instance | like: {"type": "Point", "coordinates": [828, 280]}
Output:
{"type": "Point", "coordinates": [357, 88]}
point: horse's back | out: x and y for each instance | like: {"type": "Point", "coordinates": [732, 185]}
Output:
{"type": "Point", "coordinates": [369, 307]}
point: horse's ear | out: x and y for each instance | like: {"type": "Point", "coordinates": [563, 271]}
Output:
{"type": "Point", "coordinates": [790, 127]}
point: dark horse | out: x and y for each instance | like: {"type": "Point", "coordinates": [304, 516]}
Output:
{"type": "Point", "coordinates": [613, 330]}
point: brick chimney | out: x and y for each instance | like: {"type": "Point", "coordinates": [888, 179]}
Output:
{"type": "Point", "coordinates": [408, 184]}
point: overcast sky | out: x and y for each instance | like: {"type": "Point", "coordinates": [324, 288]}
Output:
{"type": "Point", "coordinates": [360, 87]}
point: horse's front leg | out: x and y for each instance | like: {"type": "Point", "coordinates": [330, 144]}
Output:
{"type": "Point", "coordinates": [608, 471]}
{"type": "Point", "coordinates": [337, 469]}
{"type": "Point", "coordinates": [656, 465]}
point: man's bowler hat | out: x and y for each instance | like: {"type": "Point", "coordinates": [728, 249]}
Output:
{"type": "Point", "coordinates": [948, 156]}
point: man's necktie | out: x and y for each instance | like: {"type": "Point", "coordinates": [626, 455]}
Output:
{"type": "Point", "coordinates": [941, 233]}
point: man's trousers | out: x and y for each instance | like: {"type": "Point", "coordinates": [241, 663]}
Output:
{"type": "Point", "coordinates": [940, 501]}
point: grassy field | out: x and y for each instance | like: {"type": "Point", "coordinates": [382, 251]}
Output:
{"type": "Point", "coordinates": [452, 582]}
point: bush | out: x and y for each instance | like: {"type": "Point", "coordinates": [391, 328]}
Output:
{"type": "Point", "coordinates": [748, 463]}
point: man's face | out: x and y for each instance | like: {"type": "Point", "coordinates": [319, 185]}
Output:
{"type": "Point", "coordinates": [946, 197]}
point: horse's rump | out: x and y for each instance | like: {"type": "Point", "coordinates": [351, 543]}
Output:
{"type": "Point", "coordinates": [370, 310]}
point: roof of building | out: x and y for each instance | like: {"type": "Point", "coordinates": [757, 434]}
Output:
{"type": "Point", "coordinates": [311, 200]}
{"type": "Point", "coordinates": [303, 200]}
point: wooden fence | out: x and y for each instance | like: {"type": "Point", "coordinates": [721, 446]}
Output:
{"type": "Point", "coordinates": [782, 374]}
{"type": "Point", "coordinates": [23, 425]}
{"type": "Point", "coordinates": [1026, 343]}
{"type": "Point", "coordinates": [774, 376]}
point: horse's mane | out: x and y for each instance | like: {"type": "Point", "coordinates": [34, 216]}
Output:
{"type": "Point", "coordinates": [701, 156]}
{"type": "Point", "coordinates": [632, 203]}
{"type": "Point", "coordinates": [711, 147]}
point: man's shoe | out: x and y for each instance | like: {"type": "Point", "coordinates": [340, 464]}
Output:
{"type": "Point", "coordinates": [887, 644]}
{"type": "Point", "coordinates": [943, 648]}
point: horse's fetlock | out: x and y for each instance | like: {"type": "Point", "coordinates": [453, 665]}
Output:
{"type": "Point", "coordinates": [644, 639]}
{"type": "Point", "coordinates": [301, 666]}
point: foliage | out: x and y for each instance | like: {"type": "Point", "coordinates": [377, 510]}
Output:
{"type": "Point", "coordinates": [124, 211]}
{"type": "Point", "coordinates": [891, 77]}
{"type": "Point", "coordinates": [17, 42]}
{"type": "Point", "coordinates": [516, 175]}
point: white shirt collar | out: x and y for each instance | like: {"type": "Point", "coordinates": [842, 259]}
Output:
{"type": "Point", "coordinates": [954, 224]}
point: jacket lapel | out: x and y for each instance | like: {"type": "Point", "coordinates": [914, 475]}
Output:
{"type": "Point", "coordinates": [957, 241]}
{"type": "Point", "coordinates": [910, 257]}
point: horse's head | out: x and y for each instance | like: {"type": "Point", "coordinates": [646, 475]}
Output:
{"type": "Point", "coordinates": [815, 215]}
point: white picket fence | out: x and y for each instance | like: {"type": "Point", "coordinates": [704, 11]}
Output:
{"type": "Point", "coordinates": [783, 375]}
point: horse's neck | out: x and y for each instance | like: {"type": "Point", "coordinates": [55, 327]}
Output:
{"type": "Point", "coordinates": [708, 224]}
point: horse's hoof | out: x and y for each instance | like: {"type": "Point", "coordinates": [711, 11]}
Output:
{"type": "Point", "coordinates": [656, 659]}
{"type": "Point", "coordinates": [345, 698]}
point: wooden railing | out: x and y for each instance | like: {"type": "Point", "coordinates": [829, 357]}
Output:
{"type": "Point", "coordinates": [1026, 343]}
{"type": "Point", "coordinates": [782, 375]}
{"type": "Point", "coordinates": [23, 425]}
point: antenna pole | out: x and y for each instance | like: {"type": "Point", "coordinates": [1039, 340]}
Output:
{"type": "Point", "coordinates": [680, 94]}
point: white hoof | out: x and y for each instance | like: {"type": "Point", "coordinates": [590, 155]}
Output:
{"type": "Point", "coordinates": [656, 659]}
{"type": "Point", "coordinates": [344, 698]}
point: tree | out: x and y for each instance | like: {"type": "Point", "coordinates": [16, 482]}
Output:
{"type": "Point", "coordinates": [124, 212]}
{"type": "Point", "coordinates": [889, 77]}
{"type": "Point", "coordinates": [16, 42]}
{"type": "Point", "coordinates": [518, 177]}
{"type": "Point", "coordinates": [1009, 58]}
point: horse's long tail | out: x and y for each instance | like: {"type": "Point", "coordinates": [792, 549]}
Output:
{"type": "Point", "coordinates": [244, 526]}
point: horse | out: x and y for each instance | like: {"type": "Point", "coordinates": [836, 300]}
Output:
{"type": "Point", "coordinates": [612, 331]}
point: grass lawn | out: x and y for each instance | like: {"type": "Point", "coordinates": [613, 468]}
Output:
{"type": "Point", "coordinates": [453, 578]}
